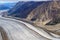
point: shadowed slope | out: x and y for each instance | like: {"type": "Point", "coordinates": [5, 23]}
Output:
{"type": "Point", "coordinates": [23, 9]}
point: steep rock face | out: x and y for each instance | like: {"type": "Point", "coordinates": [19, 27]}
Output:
{"type": "Point", "coordinates": [47, 13]}
{"type": "Point", "coordinates": [21, 10]}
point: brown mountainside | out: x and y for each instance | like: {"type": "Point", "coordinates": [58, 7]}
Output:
{"type": "Point", "coordinates": [47, 13]}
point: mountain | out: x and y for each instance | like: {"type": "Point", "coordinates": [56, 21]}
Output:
{"type": "Point", "coordinates": [4, 6]}
{"type": "Point", "coordinates": [22, 9]}
{"type": "Point", "coordinates": [46, 14]}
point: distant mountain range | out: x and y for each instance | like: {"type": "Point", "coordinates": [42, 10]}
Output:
{"type": "Point", "coordinates": [4, 6]}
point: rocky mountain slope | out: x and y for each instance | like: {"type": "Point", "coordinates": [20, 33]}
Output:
{"type": "Point", "coordinates": [47, 13]}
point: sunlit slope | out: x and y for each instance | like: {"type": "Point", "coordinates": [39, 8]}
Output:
{"type": "Point", "coordinates": [47, 13]}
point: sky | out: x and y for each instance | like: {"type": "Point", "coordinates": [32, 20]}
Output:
{"type": "Point", "coordinates": [5, 1]}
